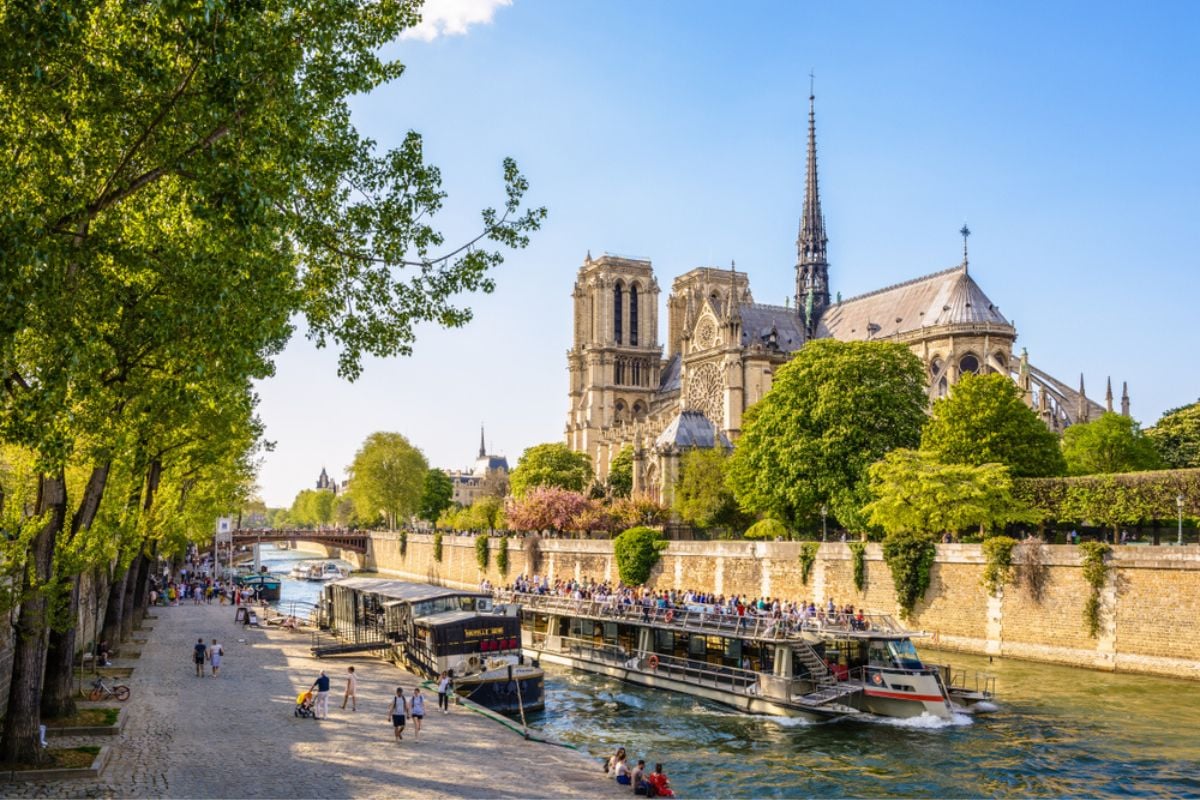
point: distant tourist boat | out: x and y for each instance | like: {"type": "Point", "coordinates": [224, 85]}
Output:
{"type": "Point", "coordinates": [756, 664]}
{"type": "Point", "coordinates": [432, 629]}
{"type": "Point", "coordinates": [325, 571]}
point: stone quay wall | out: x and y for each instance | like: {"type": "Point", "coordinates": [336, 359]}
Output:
{"type": "Point", "coordinates": [1150, 605]}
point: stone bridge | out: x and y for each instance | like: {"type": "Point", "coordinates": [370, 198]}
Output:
{"type": "Point", "coordinates": [354, 541]}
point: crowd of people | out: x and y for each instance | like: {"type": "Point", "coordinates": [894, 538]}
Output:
{"type": "Point", "coordinates": [641, 782]}
{"type": "Point", "coordinates": [789, 614]}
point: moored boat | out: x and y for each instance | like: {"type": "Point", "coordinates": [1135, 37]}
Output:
{"type": "Point", "coordinates": [264, 585]}
{"type": "Point", "coordinates": [432, 629]}
{"type": "Point", "coordinates": [757, 664]}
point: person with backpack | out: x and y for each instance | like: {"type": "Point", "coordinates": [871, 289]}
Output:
{"type": "Point", "coordinates": [398, 710]}
{"type": "Point", "coordinates": [416, 709]}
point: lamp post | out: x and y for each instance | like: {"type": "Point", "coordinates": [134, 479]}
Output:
{"type": "Point", "coordinates": [1179, 508]}
{"type": "Point", "coordinates": [824, 512]}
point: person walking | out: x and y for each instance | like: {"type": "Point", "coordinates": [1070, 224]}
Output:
{"type": "Point", "coordinates": [398, 710]}
{"type": "Point", "coordinates": [351, 690]}
{"type": "Point", "coordinates": [417, 712]}
{"type": "Point", "coordinates": [200, 652]}
{"type": "Point", "coordinates": [215, 654]}
{"type": "Point", "coordinates": [444, 693]}
{"type": "Point", "coordinates": [321, 706]}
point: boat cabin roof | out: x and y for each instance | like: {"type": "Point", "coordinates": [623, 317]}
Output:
{"type": "Point", "coordinates": [403, 590]}
{"type": "Point", "coordinates": [446, 618]}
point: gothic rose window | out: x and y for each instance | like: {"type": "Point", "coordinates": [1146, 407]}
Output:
{"type": "Point", "coordinates": [968, 363]}
{"type": "Point", "coordinates": [704, 392]}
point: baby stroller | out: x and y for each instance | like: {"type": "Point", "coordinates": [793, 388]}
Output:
{"type": "Point", "coordinates": [304, 705]}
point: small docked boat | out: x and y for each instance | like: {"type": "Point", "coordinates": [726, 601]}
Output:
{"type": "Point", "coordinates": [433, 629]}
{"type": "Point", "coordinates": [840, 668]}
{"type": "Point", "coordinates": [264, 585]}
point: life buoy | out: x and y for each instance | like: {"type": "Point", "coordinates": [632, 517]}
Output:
{"type": "Point", "coordinates": [877, 679]}
{"type": "Point", "coordinates": [670, 615]}
{"type": "Point", "coordinates": [652, 662]}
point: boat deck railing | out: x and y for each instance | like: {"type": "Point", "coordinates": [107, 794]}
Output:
{"type": "Point", "coordinates": [964, 680]}
{"type": "Point", "coordinates": [706, 619]}
{"type": "Point", "coordinates": [686, 670]}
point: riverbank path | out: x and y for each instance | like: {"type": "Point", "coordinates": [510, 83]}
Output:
{"type": "Point", "coordinates": [236, 735]}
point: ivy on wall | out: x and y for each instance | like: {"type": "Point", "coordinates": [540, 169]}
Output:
{"type": "Point", "coordinates": [1095, 574]}
{"type": "Point", "coordinates": [998, 566]}
{"type": "Point", "coordinates": [403, 543]}
{"type": "Point", "coordinates": [858, 554]}
{"type": "Point", "coordinates": [481, 552]}
{"type": "Point", "coordinates": [910, 557]}
{"type": "Point", "coordinates": [637, 550]}
{"type": "Point", "coordinates": [502, 555]}
{"type": "Point", "coordinates": [808, 556]}
{"type": "Point", "coordinates": [437, 547]}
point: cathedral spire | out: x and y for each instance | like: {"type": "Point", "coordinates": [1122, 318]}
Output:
{"type": "Point", "coordinates": [1108, 396]}
{"type": "Point", "coordinates": [1125, 398]}
{"type": "Point", "coordinates": [482, 448]}
{"type": "Point", "coordinates": [812, 264]}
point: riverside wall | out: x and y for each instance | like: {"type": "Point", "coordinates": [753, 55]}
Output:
{"type": "Point", "coordinates": [1150, 603]}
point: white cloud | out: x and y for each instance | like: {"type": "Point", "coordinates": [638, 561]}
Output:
{"type": "Point", "coordinates": [452, 17]}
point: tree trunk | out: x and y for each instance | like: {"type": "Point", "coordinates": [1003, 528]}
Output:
{"type": "Point", "coordinates": [111, 632]}
{"type": "Point", "coordinates": [141, 591]}
{"type": "Point", "coordinates": [58, 694]}
{"type": "Point", "coordinates": [20, 739]}
{"type": "Point", "coordinates": [127, 619]}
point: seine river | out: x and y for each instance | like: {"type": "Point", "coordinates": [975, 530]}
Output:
{"type": "Point", "coordinates": [1056, 732]}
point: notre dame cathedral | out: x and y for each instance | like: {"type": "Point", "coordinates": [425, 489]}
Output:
{"type": "Point", "coordinates": [722, 348]}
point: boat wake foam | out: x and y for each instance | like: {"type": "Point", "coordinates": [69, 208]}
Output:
{"type": "Point", "coordinates": [924, 722]}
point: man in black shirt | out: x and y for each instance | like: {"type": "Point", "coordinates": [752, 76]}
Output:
{"type": "Point", "coordinates": [200, 651]}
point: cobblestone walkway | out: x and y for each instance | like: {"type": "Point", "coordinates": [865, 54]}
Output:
{"type": "Point", "coordinates": [236, 736]}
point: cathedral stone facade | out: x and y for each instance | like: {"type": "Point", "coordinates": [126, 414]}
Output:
{"type": "Point", "coordinates": [629, 389]}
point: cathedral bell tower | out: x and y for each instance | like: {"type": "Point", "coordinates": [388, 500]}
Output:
{"type": "Point", "coordinates": [615, 359]}
{"type": "Point", "coordinates": [812, 264]}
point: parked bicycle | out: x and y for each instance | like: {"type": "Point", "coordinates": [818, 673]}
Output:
{"type": "Point", "coordinates": [100, 690]}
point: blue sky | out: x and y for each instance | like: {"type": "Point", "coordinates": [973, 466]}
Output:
{"type": "Point", "coordinates": [1064, 134]}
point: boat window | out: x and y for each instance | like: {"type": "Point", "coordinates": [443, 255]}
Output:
{"type": "Point", "coordinates": [697, 648]}
{"type": "Point", "coordinates": [878, 655]}
{"type": "Point", "coordinates": [904, 654]}
{"type": "Point", "coordinates": [664, 641]}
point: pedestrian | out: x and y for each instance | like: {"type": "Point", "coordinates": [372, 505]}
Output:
{"type": "Point", "coordinates": [351, 690]}
{"type": "Point", "coordinates": [444, 693]}
{"type": "Point", "coordinates": [321, 707]}
{"type": "Point", "coordinates": [398, 710]}
{"type": "Point", "coordinates": [417, 712]}
{"type": "Point", "coordinates": [200, 652]}
{"type": "Point", "coordinates": [215, 653]}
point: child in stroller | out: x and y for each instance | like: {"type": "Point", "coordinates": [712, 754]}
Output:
{"type": "Point", "coordinates": [304, 705]}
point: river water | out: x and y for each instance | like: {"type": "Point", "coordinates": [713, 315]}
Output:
{"type": "Point", "coordinates": [1056, 732]}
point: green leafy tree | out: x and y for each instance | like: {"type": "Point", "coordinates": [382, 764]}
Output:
{"type": "Point", "coordinates": [833, 410]}
{"type": "Point", "coordinates": [1112, 443]}
{"type": "Point", "coordinates": [387, 478]}
{"type": "Point", "coordinates": [702, 496]}
{"type": "Point", "coordinates": [209, 187]}
{"type": "Point", "coordinates": [620, 473]}
{"type": "Point", "coordinates": [1176, 436]}
{"type": "Point", "coordinates": [915, 492]}
{"type": "Point", "coordinates": [984, 421]}
{"type": "Point", "coordinates": [909, 556]}
{"type": "Point", "coordinates": [435, 495]}
{"type": "Point", "coordinates": [768, 530]}
{"type": "Point", "coordinates": [552, 464]}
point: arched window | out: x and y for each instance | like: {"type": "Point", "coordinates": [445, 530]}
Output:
{"type": "Point", "coordinates": [968, 363]}
{"type": "Point", "coordinates": [935, 367]}
{"type": "Point", "coordinates": [633, 314]}
{"type": "Point", "coordinates": [619, 372]}
{"type": "Point", "coordinates": [618, 296]}
{"type": "Point", "coordinates": [637, 373]}
{"type": "Point", "coordinates": [619, 411]}
{"type": "Point", "coordinates": [638, 410]}
{"type": "Point", "coordinates": [943, 387]}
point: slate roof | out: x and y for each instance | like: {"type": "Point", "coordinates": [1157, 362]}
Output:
{"type": "Point", "coordinates": [759, 320]}
{"type": "Point", "coordinates": [671, 375]}
{"type": "Point", "coordinates": [691, 429]}
{"type": "Point", "coordinates": [948, 297]}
